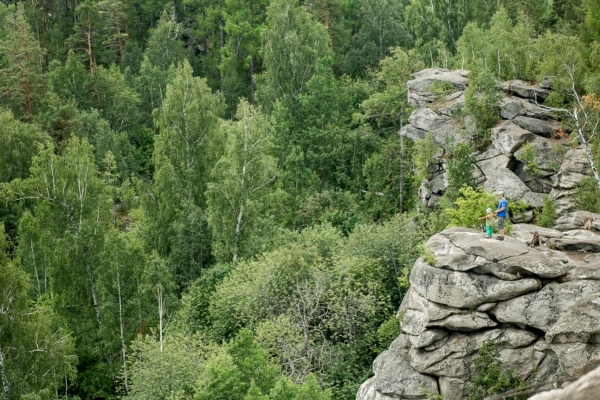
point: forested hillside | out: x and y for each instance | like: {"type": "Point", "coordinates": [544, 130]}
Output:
{"type": "Point", "coordinates": [210, 199]}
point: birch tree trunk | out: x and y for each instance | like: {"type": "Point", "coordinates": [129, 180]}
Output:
{"type": "Point", "coordinates": [5, 384]}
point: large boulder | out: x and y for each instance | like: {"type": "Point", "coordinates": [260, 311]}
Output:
{"type": "Point", "coordinates": [509, 137]}
{"type": "Point", "coordinates": [506, 180]}
{"type": "Point", "coordinates": [575, 338]}
{"type": "Point", "coordinates": [573, 170]}
{"type": "Point", "coordinates": [524, 90]}
{"type": "Point", "coordinates": [542, 309]}
{"type": "Point", "coordinates": [395, 378]}
{"type": "Point", "coordinates": [578, 220]}
{"type": "Point", "coordinates": [465, 289]}
{"type": "Point", "coordinates": [424, 120]}
{"type": "Point", "coordinates": [512, 107]}
{"type": "Point", "coordinates": [585, 388]}
{"type": "Point", "coordinates": [537, 126]}
{"type": "Point", "coordinates": [418, 315]}
{"type": "Point", "coordinates": [454, 357]}
{"type": "Point", "coordinates": [467, 250]}
{"type": "Point", "coordinates": [421, 89]}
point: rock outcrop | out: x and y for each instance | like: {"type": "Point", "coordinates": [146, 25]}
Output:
{"type": "Point", "coordinates": [527, 157]}
{"type": "Point", "coordinates": [540, 305]}
{"type": "Point", "coordinates": [585, 388]}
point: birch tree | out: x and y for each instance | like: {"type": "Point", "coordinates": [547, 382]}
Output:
{"type": "Point", "coordinates": [35, 355]}
{"type": "Point", "coordinates": [241, 180]}
{"type": "Point", "coordinates": [187, 146]}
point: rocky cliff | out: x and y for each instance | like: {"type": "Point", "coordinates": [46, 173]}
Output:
{"type": "Point", "coordinates": [540, 302]}
{"type": "Point", "coordinates": [526, 124]}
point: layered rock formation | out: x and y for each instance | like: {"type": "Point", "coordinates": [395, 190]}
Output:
{"type": "Point", "coordinates": [540, 305]}
{"type": "Point", "coordinates": [528, 156]}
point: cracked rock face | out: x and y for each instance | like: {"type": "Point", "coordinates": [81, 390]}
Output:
{"type": "Point", "coordinates": [540, 306]}
{"type": "Point", "coordinates": [585, 388]}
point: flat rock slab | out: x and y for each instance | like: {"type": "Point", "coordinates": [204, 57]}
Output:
{"type": "Point", "coordinates": [537, 126]}
{"type": "Point", "coordinates": [465, 289]}
{"type": "Point", "coordinates": [395, 378]}
{"type": "Point", "coordinates": [524, 90]}
{"type": "Point", "coordinates": [577, 240]}
{"type": "Point", "coordinates": [525, 232]}
{"type": "Point", "coordinates": [492, 250]}
{"type": "Point", "coordinates": [542, 309]}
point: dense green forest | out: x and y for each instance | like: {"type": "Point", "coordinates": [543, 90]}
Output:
{"type": "Point", "coordinates": [209, 199]}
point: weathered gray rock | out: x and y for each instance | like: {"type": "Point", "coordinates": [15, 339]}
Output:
{"type": "Point", "coordinates": [453, 359]}
{"type": "Point", "coordinates": [427, 338]}
{"type": "Point", "coordinates": [443, 128]}
{"type": "Point", "coordinates": [575, 338]}
{"type": "Point", "coordinates": [418, 315]}
{"type": "Point", "coordinates": [467, 250]}
{"type": "Point", "coordinates": [522, 89]}
{"type": "Point", "coordinates": [574, 169]}
{"type": "Point", "coordinates": [512, 107]}
{"type": "Point", "coordinates": [578, 220]}
{"type": "Point", "coordinates": [452, 104]}
{"type": "Point", "coordinates": [548, 154]}
{"type": "Point", "coordinates": [585, 388]}
{"type": "Point", "coordinates": [537, 126]}
{"type": "Point", "coordinates": [452, 388]}
{"type": "Point", "coordinates": [420, 88]}
{"type": "Point", "coordinates": [525, 232]}
{"type": "Point", "coordinates": [395, 378]}
{"type": "Point", "coordinates": [586, 272]}
{"type": "Point", "coordinates": [439, 183]}
{"type": "Point", "coordinates": [542, 182]}
{"type": "Point", "coordinates": [578, 240]}
{"type": "Point", "coordinates": [508, 137]}
{"type": "Point", "coordinates": [506, 180]}
{"type": "Point", "coordinates": [543, 308]}
{"type": "Point", "coordinates": [465, 289]}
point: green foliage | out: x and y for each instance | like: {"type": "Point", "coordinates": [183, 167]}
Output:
{"type": "Point", "coordinates": [528, 158]}
{"type": "Point", "coordinates": [459, 170]}
{"type": "Point", "coordinates": [37, 354]}
{"type": "Point", "coordinates": [167, 370]}
{"type": "Point", "coordinates": [587, 195]}
{"type": "Point", "coordinates": [20, 143]}
{"type": "Point", "coordinates": [482, 103]}
{"type": "Point", "coordinates": [489, 375]}
{"type": "Point", "coordinates": [471, 205]}
{"type": "Point", "coordinates": [547, 216]}
{"type": "Point", "coordinates": [423, 158]}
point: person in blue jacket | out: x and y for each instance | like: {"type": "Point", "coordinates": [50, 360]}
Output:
{"type": "Point", "coordinates": [501, 213]}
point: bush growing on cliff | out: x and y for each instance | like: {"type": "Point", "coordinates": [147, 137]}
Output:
{"type": "Point", "coordinates": [490, 377]}
{"type": "Point", "coordinates": [471, 205]}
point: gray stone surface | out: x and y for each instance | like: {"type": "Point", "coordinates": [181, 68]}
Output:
{"type": "Point", "coordinates": [506, 180]}
{"type": "Point", "coordinates": [575, 338]}
{"type": "Point", "coordinates": [454, 358]}
{"type": "Point", "coordinates": [465, 289]}
{"type": "Point", "coordinates": [420, 88]}
{"type": "Point", "coordinates": [395, 378]}
{"type": "Point", "coordinates": [522, 89]}
{"type": "Point", "coordinates": [543, 308]}
{"type": "Point", "coordinates": [578, 240]}
{"type": "Point", "coordinates": [574, 169]}
{"type": "Point", "coordinates": [509, 137]}
{"type": "Point", "coordinates": [585, 388]}
{"type": "Point", "coordinates": [537, 126]}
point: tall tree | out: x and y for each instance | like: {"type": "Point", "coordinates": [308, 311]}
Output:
{"type": "Point", "coordinates": [21, 79]}
{"type": "Point", "coordinates": [88, 36]}
{"type": "Point", "coordinates": [292, 43]}
{"type": "Point", "coordinates": [240, 181]}
{"type": "Point", "coordinates": [187, 146]}
{"type": "Point", "coordinates": [36, 355]}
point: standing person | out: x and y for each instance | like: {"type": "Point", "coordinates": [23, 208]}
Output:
{"type": "Point", "coordinates": [502, 213]}
{"type": "Point", "coordinates": [488, 222]}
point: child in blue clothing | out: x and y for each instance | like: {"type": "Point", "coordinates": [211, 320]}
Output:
{"type": "Point", "coordinates": [488, 222]}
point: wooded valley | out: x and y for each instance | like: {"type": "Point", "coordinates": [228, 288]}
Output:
{"type": "Point", "coordinates": [210, 199]}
